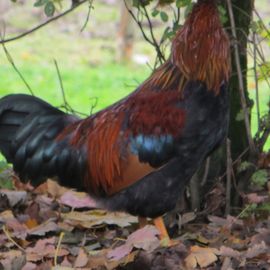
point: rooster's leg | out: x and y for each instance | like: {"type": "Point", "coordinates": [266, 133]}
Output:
{"type": "Point", "coordinates": [159, 223]}
{"type": "Point", "coordinates": [142, 222]}
{"type": "Point", "coordinates": [163, 234]}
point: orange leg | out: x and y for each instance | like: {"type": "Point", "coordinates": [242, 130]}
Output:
{"type": "Point", "coordinates": [163, 234]}
{"type": "Point", "coordinates": [142, 222]}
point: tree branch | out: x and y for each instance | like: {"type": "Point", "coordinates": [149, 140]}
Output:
{"type": "Point", "coordinates": [43, 24]}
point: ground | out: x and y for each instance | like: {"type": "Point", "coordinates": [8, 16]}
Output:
{"type": "Point", "coordinates": [52, 227]}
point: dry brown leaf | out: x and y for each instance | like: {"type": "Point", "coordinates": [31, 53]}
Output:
{"type": "Point", "coordinates": [187, 217]}
{"type": "Point", "coordinates": [256, 250]}
{"type": "Point", "coordinates": [98, 259]}
{"type": "Point", "coordinates": [201, 256]}
{"type": "Point", "coordinates": [227, 223]}
{"type": "Point", "coordinates": [44, 248]}
{"type": "Point", "coordinates": [120, 252]}
{"type": "Point", "coordinates": [52, 188]}
{"type": "Point", "coordinates": [93, 218]}
{"type": "Point", "coordinates": [229, 252]}
{"type": "Point", "coordinates": [44, 228]}
{"type": "Point", "coordinates": [15, 197]}
{"type": "Point", "coordinates": [29, 266]}
{"type": "Point", "coordinates": [77, 200]}
{"type": "Point", "coordinates": [31, 223]}
{"type": "Point", "coordinates": [255, 198]}
{"type": "Point", "coordinates": [66, 262]}
{"type": "Point", "coordinates": [145, 238]}
{"type": "Point", "coordinates": [16, 229]}
{"type": "Point", "coordinates": [8, 259]}
{"type": "Point", "coordinates": [227, 264]}
{"type": "Point", "coordinates": [58, 267]}
{"type": "Point", "coordinates": [6, 215]}
{"type": "Point", "coordinates": [81, 259]}
{"type": "Point", "coordinates": [263, 235]}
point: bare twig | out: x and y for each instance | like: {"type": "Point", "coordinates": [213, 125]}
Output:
{"type": "Point", "coordinates": [66, 105]}
{"type": "Point", "coordinates": [157, 46]}
{"type": "Point", "coordinates": [6, 232]}
{"type": "Point", "coordinates": [229, 178]}
{"type": "Point", "coordinates": [62, 234]}
{"type": "Point", "coordinates": [256, 79]}
{"type": "Point", "coordinates": [43, 24]}
{"type": "Point", "coordinates": [241, 81]}
{"type": "Point", "coordinates": [152, 41]}
{"type": "Point", "coordinates": [88, 14]}
{"type": "Point", "coordinates": [236, 160]}
{"type": "Point", "coordinates": [11, 61]}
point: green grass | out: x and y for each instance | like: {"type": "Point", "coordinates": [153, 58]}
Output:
{"type": "Point", "coordinates": [83, 85]}
{"type": "Point", "coordinates": [264, 99]}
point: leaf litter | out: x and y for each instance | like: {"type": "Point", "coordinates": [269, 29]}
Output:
{"type": "Point", "coordinates": [52, 227]}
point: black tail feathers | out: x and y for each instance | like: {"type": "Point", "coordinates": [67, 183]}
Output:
{"type": "Point", "coordinates": [28, 129]}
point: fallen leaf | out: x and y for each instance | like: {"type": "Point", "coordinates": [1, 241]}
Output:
{"type": "Point", "coordinates": [43, 228]}
{"type": "Point", "coordinates": [52, 188]}
{"type": "Point", "coordinates": [263, 235]}
{"type": "Point", "coordinates": [77, 200]}
{"type": "Point", "coordinates": [227, 264]}
{"type": "Point", "coordinates": [201, 256]}
{"type": "Point", "coordinates": [145, 238]}
{"type": "Point", "coordinates": [15, 197]}
{"type": "Point", "coordinates": [18, 230]}
{"type": "Point", "coordinates": [29, 266]}
{"type": "Point", "coordinates": [9, 259]}
{"type": "Point", "coordinates": [120, 252]}
{"type": "Point", "coordinates": [31, 223]}
{"type": "Point", "coordinates": [256, 250]}
{"type": "Point", "coordinates": [255, 198]}
{"type": "Point", "coordinates": [99, 260]}
{"type": "Point", "coordinates": [187, 217]}
{"type": "Point", "coordinates": [6, 215]}
{"type": "Point", "coordinates": [93, 218]}
{"type": "Point", "coordinates": [227, 223]}
{"type": "Point", "coordinates": [229, 252]}
{"type": "Point", "coordinates": [66, 263]}
{"type": "Point", "coordinates": [81, 259]}
{"type": "Point", "coordinates": [44, 248]}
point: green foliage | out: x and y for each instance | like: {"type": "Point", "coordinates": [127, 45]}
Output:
{"type": "Point", "coordinates": [164, 16]}
{"type": "Point", "coordinates": [5, 176]}
{"type": "Point", "coordinates": [259, 210]}
{"type": "Point", "coordinates": [260, 178]}
{"type": "Point", "coordinates": [49, 7]}
{"type": "Point", "coordinates": [244, 166]}
{"type": "Point", "coordinates": [223, 14]}
{"type": "Point", "coordinates": [248, 210]}
{"type": "Point", "coordinates": [183, 3]}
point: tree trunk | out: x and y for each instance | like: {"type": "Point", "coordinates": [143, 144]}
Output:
{"type": "Point", "coordinates": [237, 132]}
{"type": "Point", "coordinates": [125, 33]}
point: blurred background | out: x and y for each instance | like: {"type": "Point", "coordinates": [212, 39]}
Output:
{"type": "Point", "coordinates": [98, 65]}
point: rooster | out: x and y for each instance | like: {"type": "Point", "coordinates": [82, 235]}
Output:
{"type": "Point", "coordinates": [139, 153]}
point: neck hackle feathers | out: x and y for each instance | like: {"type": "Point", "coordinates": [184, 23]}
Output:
{"type": "Point", "coordinates": [200, 49]}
